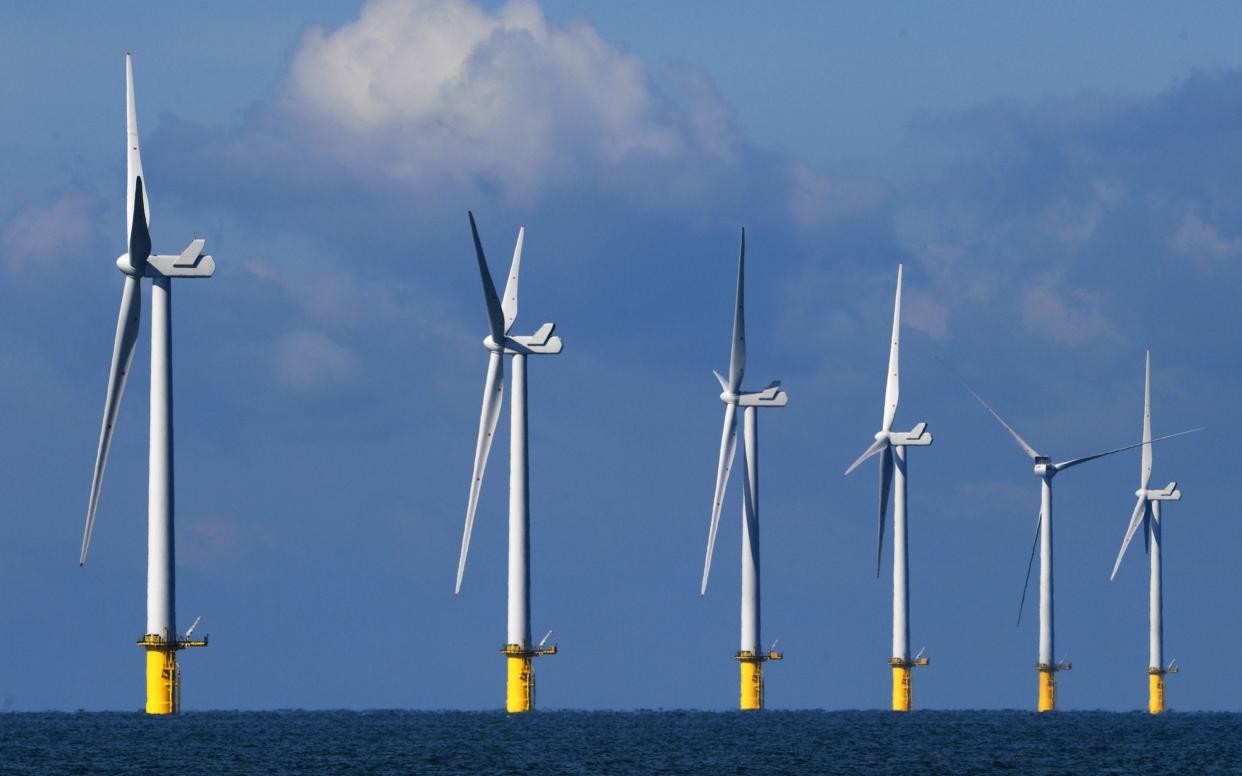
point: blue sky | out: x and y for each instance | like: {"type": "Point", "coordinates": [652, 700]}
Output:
{"type": "Point", "coordinates": [1061, 183]}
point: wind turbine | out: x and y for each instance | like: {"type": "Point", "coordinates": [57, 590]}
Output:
{"type": "Point", "coordinates": [749, 656]}
{"type": "Point", "coordinates": [1147, 511]}
{"type": "Point", "coordinates": [1045, 470]}
{"type": "Point", "coordinates": [161, 640]}
{"type": "Point", "coordinates": [519, 648]}
{"type": "Point", "coordinates": [889, 445]}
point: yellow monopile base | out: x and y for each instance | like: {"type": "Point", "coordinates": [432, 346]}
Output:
{"type": "Point", "coordinates": [901, 688]}
{"type": "Point", "coordinates": [520, 693]}
{"type": "Point", "coordinates": [1155, 694]}
{"type": "Point", "coordinates": [163, 672]}
{"type": "Point", "coordinates": [752, 685]}
{"type": "Point", "coordinates": [163, 680]}
{"type": "Point", "coordinates": [752, 678]}
{"type": "Point", "coordinates": [520, 685]}
{"type": "Point", "coordinates": [1047, 690]}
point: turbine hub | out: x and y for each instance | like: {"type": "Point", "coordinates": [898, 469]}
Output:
{"type": "Point", "coordinates": [126, 265]}
{"type": "Point", "coordinates": [1043, 467]}
{"type": "Point", "coordinates": [881, 436]}
{"type": "Point", "coordinates": [491, 345]}
{"type": "Point", "coordinates": [728, 398]}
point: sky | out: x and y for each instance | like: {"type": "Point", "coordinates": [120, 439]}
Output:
{"type": "Point", "coordinates": [1060, 181]}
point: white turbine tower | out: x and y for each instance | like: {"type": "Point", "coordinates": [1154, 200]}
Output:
{"type": "Point", "coordinates": [1147, 511]}
{"type": "Point", "coordinates": [889, 445]}
{"type": "Point", "coordinates": [1045, 469]}
{"type": "Point", "coordinates": [161, 640]}
{"type": "Point", "coordinates": [749, 656]}
{"type": "Point", "coordinates": [519, 649]}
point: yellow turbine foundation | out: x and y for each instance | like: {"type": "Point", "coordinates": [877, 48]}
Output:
{"type": "Point", "coordinates": [520, 684]}
{"type": "Point", "coordinates": [163, 681]}
{"type": "Point", "coordinates": [1047, 689]}
{"type": "Point", "coordinates": [903, 691]}
{"type": "Point", "coordinates": [901, 688]}
{"type": "Point", "coordinates": [751, 684]}
{"type": "Point", "coordinates": [163, 673]}
{"type": "Point", "coordinates": [520, 692]}
{"type": "Point", "coordinates": [1155, 694]}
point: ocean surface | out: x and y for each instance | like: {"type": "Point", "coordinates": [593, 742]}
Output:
{"type": "Point", "coordinates": [664, 742]}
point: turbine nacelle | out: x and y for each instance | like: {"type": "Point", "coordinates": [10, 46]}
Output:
{"type": "Point", "coordinates": [772, 396]}
{"type": "Point", "coordinates": [190, 263]}
{"type": "Point", "coordinates": [1167, 493]}
{"type": "Point", "coordinates": [1044, 467]}
{"type": "Point", "coordinates": [918, 436]}
{"type": "Point", "coordinates": [541, 342]}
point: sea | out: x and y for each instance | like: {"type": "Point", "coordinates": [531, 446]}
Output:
{"type": "Point", "coordinates": [643, 742]}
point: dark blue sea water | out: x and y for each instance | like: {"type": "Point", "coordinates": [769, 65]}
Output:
{"type": "Point", "coordinates": [568, 742]}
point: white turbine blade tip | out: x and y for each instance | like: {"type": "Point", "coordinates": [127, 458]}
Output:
{"type": "Point", "coordinates": [1140, 510]}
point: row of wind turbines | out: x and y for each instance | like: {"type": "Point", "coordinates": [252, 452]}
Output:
{"type": "Point", "coordinates": [891, 446]}
{"type": "Point", "coordinates": [162, 641]}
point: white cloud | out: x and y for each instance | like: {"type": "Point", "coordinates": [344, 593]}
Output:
{"type": "Point", "coordinates": [209, 540]}
{"type": "Point", "coordinates": [1066, 316]}
{"type": "Point", "coordinates": [308, 361]}
{"type": "Point", "coordinates": [924, 312]}
{"type": "Point", "coordinates": [48, 233]}
{"type": "Point", "coordinates": [435, 92]}
{"type": "Point", "coordinates": [816, 201]}
{"type": "Point", "coordinates": [1203, 243]}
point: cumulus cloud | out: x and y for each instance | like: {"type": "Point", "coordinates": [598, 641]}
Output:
{"type": "Point", "coordinates": [445, 93]}
{"type": "Point", "coordinates": [50, 233]}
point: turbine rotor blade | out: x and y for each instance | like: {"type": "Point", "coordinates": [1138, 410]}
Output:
{"type": "Point", "coordinates": [135, 182]}
{"type": "Point", "coordinates": [1021, 442]}
{"type": "Point", "coordinates": [1145, 476]}
{"type": "Point", "coordinates": [509, 305]}
{"type": "Point", "coordinates": [493, 398]}
{"type": "Point", "coordinates": [1076, 461]}
{"type": "Point", "coordinates": [495, 316]}
{"type": "Point", "coordinates": [139, 233]}
{"type": "Point", "coordinates": [892, 388]}
{"type": "Point", "coordinates": [728, 447]}
{"type": "Point", "coordinates": [127, 324]}
{"type": "Point", "coordinates": [737, 353]}
{"type": "Point", "coordinates": [1139, 517]}
{"type": "Point", "coordinates": [1026, 581]}
{"type": "Point", "coordinates": [875, 447]}
{"type": "Point", "coordinates": [886, 483]}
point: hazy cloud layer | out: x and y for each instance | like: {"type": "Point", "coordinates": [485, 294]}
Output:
{"type": "Point", "coordinates": [53, 234]}
{"type": "Point", "coordinates": [1062, 209]}
{"type": "Point", "coordinates": [311, 361]}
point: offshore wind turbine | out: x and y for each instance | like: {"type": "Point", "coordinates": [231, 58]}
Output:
{"type": "Point", "coordinates": [1045, 470]}
{"type": "Point", "coordinates": [749, 656]}
{"type": "Point", "coordinates": [161, 641]}
{"type": "Point", "coordinates": [891, 446]}
{"type": "Point", "coordinates": [519, 648]}
{"type": "Point", "coordinates": [1147, 511]}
